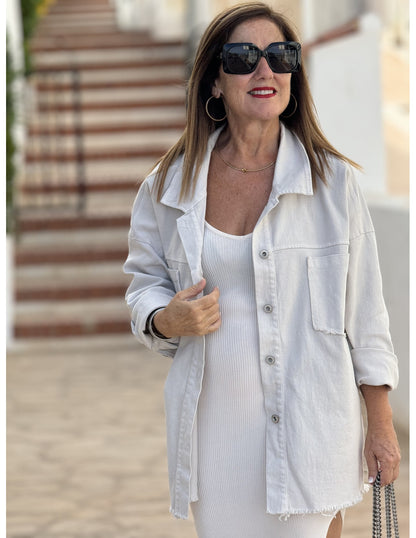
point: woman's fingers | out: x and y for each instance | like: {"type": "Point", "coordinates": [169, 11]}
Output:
{"type": "Point", "coordinates": [187, 316]}
{"type": "Point", "coordinates": [383, 454]}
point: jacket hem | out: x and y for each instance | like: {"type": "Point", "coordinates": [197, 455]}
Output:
{"type": "Point", "coordinates": [178, 515]}
{"type": "Point", "coordinates": [328, 511]}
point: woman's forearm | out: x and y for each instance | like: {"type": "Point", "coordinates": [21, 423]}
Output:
{"type": "Point", "coordinates": [377, 403]}
{"type": "Point", "coordinates": [381, 449]}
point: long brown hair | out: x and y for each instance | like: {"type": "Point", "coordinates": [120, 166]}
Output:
{"type": "Point", "coordinates": [193, 142]}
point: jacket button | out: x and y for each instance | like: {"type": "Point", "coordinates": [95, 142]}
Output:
{"type": "Point", "coordinates": [270, 360]}
{"type": "Point", "coordinates": [264, 254]}
{"type": "Point", "coordinates": [275, 418]}
{"type": "Point", "coordinates": [268, 308]}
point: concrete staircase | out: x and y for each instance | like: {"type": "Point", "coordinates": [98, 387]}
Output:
{"type": "Point", "coordinates": [87, 152]}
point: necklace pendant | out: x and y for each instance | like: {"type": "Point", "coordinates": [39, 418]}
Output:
{"type": "Point", "coordinates": [244, 170]}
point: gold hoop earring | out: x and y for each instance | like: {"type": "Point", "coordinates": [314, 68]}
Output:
{"type": "Point", "coordinates": [207, 111]}
{"type": "Point", "coordinates": [293, 111]}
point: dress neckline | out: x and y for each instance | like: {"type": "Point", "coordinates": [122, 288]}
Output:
{"type": "Point", "coordinates": [225, 234]}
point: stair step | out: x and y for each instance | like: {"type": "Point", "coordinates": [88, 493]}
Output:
{"type": "Point", "coordinates": [111, 40]}
{"type": "Point", "coordinates": [120, 153]}
{"type": "Point", "coordinates": [97, 170]}
{"type": "Point", "coordinates": [72, 318]}
{"type": "Point", "coordinates": [68, 9]}
{"type": "Point", "coordinates": [105, 76]}
{"type": "Point", "coordinates": [109, 84]}
{"type": "Point", "coordinates": [114, 116]}
{"type": "Point", "coordinates": [132, 64]}
{"type": "Point", "coordinates": [49, 187]}
{"type": "Point", "coordinates": [105, 128]}
{"type": "Point", "coordinates": [98, 202]}
{"type": "Point", "coordinates": [75, 246]}
{"type": "Point", "coordinates": [73, 293]}
{"type": "Point", "coordinates": [70, 277]}
{"type": "Point", "coordinates": [147, 94]}
{"type": "Point", "coordinates": [149, 140]}
{"type": "Point", "coordinates": [73, 31]}
{"type": "Point", "coordinates": [110, 104]}
{"type": "Point", "coordinates": [110, 56]}
{"type": "Point", "coordinates": [83, 2]}
{"type": "Point", "coordinates": [85, 255]}
{"type": "Point", "coordinates": [69, 18]}
{"type": "Point", "coordinates": [33, 223]}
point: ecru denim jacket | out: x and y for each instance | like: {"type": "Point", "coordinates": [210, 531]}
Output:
{"type": "Point", "coordinates": [322, 323]}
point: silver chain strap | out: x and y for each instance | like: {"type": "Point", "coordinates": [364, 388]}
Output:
{"type": "Point", "coordinates": [390, 510]}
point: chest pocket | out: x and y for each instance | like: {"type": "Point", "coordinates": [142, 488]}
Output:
{"type": "Point", "coordinates": [327, 277]}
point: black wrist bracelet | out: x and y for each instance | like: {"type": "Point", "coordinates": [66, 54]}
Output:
{"type": "Point", "coordinates": [151, 328]}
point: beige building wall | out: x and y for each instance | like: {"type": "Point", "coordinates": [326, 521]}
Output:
{"type": "Point", "coordinates": [290, 8]}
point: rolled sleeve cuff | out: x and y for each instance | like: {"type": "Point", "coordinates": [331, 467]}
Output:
{"type": "Point", "coordinates": [375, 367]}
{"type": "Point", "coordinates": [140, 313]}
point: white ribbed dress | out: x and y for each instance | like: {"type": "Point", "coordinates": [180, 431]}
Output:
{"type": "Point", "coordinates": [231, 416]}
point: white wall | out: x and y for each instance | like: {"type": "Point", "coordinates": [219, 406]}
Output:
{"type": "Point", "coordinates": [15, 40]}
{"type": "Point", "coordinates": [344, 75]}
{"type": "Point", "coordinates": [391, 222]}
{"type": "Point", "coordinates": [321, 16]}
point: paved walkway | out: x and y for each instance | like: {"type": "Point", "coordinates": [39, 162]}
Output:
{"type": "Point", "coordinates": [86, 445]}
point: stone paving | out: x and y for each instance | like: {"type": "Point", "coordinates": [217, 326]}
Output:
{"type": "Point", "coordinates": [86, 444]}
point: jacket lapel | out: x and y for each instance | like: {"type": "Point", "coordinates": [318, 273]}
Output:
{"type": "Point", "coordinates": [191, 224]}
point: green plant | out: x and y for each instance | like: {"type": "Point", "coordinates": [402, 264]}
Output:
{"type": "Point", "coordinates": [10, 143]}
{"type": "Point", "coordinates": [30, 17]}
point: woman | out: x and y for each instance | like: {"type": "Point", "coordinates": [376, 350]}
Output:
{"type": "Point", "coordinates": [255, 267]}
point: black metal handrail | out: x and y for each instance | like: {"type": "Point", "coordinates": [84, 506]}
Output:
{"type": "Point", "coordinates": [47, 178]}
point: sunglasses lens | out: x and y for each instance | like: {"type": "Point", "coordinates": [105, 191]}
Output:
{"type": "Point", "coordinates": [282, 58]}
{"type": "Point", "coordinates": [241, 59]}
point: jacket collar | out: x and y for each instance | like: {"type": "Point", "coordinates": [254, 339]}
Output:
{"type": "Point", "coordinates": [292, 173]}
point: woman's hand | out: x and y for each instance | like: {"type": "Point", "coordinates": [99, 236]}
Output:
{"type": "Point", "coordinates": [187, 316]}
{"type": "Point", "coordinates": [381, 449]}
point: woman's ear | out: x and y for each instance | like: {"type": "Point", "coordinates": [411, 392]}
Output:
{"type": "Point", "coordinates": [215, 91]}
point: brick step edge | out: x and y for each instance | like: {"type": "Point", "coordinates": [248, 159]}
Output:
{"type": "Point", "coordinates": [95, 66]}
{"type": "Point", "coordinates": [53, 130]}
{"type": "Point", "coordinates": [102, 41]}
{"type": "Point", "coordinates": [85, 255]}
{"type": "Point", "coordinates": [69, 294]}
{"type": "Point", "coordinates": [112, 105]}
{"type": "Point", "coordinates": [113, 84]}
{"type": "Point", "coordinates": [36, 224]}
{"type": "Point", "coordinates": [85, 188]}
{"type": "Point", "coordinates": [68, 329]}
{"type": "Point", "coordinates": [94, 155]}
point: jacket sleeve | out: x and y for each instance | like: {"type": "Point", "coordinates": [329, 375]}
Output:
{"type": "Point", "coordinates": [366, 317]}
{"type": "Point", "coordinates": [151, 286]}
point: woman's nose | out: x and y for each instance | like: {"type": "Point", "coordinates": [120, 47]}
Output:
{"type": "Point", "coordinates": [263, 68]}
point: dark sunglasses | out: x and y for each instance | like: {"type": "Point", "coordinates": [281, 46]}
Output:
{"type": "Point", "coordinates": [243, 58]}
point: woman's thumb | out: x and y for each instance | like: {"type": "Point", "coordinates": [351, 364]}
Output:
{"type": "Point", "coordinates": [372, 470]}
{"type": "Point", "coordinates": [193, 291]}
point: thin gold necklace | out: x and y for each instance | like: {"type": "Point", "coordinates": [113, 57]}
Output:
{"type": "Point", "coordinates": [244, 170]}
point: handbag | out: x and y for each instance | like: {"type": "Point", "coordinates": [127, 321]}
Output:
{"type": "Point", "coordinates": [390, 510]}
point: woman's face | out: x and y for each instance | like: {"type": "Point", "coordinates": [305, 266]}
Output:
{"type": "Point", "coordinates": [259, 96]}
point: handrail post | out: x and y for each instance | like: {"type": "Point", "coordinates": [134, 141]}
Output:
{"type": "Point", "coordinates": [79, 142]}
